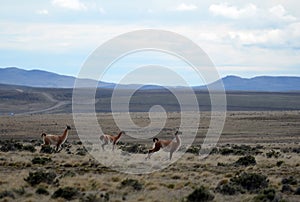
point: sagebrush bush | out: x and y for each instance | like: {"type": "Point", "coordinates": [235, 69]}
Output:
{"type": "Point", "coordinates": [245, 161]}
{"type": "Point", "coordinates": [290, 180]}
{"type": "Point", "coordinates": [250, 181]}
{"type": "Point", "coordinates": [42, 191]}
{"type": "Point", "coordinates": [240, 150]}
{"type": "Point", "coordinates": [37, 177]}
{"type": "Point", "coordinates": [68, 193]}
{"type": "Point", "coordinates": [266, 195]}
{"type": "Point", "coordinates": [11, 146]}
{"type": "Point", "coordinates": [134, 148]}
{"type": "Point", "coordinates": [7, 194]}
{"type": "Point", "coordinates": [229, 189]}
{"type": "Point", "coordinates": [47, 149]}
{"type": "Point", "coordinates": [81, 151]}
{"type": "Point", "coordinates": [29, 147]}
{"type": "Point", "coordinates": [200, 194]}
{"type": "Point", "coordinates": [297, 192]}
{"type": "Point", "coordinates": [41, 160]}
{"type": "Point", "coordinates": [273, 153]}
{"type": "Point", "coordinates": [132, 183]}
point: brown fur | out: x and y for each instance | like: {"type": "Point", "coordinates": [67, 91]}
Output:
{"type": "Point", "coordinates": [167, 145]}
{"type": "Point", "coordinates": [56, 140]}
{"type": "Point", "coordinates": [105, 139]}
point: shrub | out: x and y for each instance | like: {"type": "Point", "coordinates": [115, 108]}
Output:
{"type": "Point", "coordinates": [297, 192]}
{"type": "Point", "coordinates": [266, 195]}
{"type": "Point", "coordinates": [105, 196]}
{"type": "Point", "coordinates": [134, 148]}
{"type": "Point", "coordinates": [279, 163]}
{"type": "Point", "coordinates": [7, 194]}
{"type": "Point", "coordinates": [286, 188]}
{"type": "Point", "coordinates": [37, 177]}
{"type": "Point", "coordinates": [228, 189]}
{"type": "Point", "coordinates": [193, 150]}
{"type": "Point", "coordinates": [29, 147]}
{"type": "Point", "coordinates": [11, 146]}
{"type": "Point", "coordinates": [81, 151]}
{"type": "Point", "coordinates": [245, 161]}
{"type": "Point", "coordinates": [250, 181]}
{"type": "Point", "coordinates": [42, 191]}
{"type": "Point", "coordinates": [221, 164]}
{"type": "Point", "coordinates": [226, 151]}
{"type": "Point", "coordinates": [200, 194]}
{"type": "Point", "coordinates": [272, 153]}
{"type": "Point", "coordinates": [68, 193]}
{"type": "Point", "coordinates": [41, 160]}
{"type": "Point", "coordinates": [47, 149]}
{"type": "Point", "coordinates": [291, 180]}
{"type": "Point", "coordinates": [20, 191]}
{"type": "Point", "coordinates": [133, 183]}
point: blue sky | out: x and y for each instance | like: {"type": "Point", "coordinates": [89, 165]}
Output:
{"type": "Point", "coordinates": [244, 38]}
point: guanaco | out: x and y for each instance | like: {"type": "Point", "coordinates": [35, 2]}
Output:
{"type": "Point", "coordinates": [167, 145]}
{"type": "Point", "coordinates": [105, 139]}
{"type": "Point", "coordinates": [56, 140]}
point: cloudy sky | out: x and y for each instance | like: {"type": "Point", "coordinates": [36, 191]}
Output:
{"type": "Point", "coordinates": [241, 38]}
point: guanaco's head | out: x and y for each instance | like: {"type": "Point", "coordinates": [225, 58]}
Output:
{"type": "Point", "coordinates": [176, 133]}
{"type": "Point", "coordinates": [43, 134]}
{"type": "Point", "coordinates": [68, 127]}
{"type": "Point", "coordinates": [155, 139]}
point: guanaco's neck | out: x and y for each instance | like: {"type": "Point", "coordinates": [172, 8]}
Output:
{"type": "Point", "coordinates": [177, 138]}
{"type": "Point", "coordinates": [119, 135]}
{"type": "Point", "coordinates": [65, 134]}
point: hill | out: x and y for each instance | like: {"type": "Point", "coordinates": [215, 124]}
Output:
{"type": "Point", "coordinates": [261, 83]}
{"type": "Point", "coordinates": [44, 79]}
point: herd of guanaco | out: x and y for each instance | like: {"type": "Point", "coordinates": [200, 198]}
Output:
{"type": "Point", "coordinates": [168, 145]}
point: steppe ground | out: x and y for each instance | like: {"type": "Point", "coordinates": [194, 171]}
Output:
{"type": "Point", "coordinates": [274, 136]}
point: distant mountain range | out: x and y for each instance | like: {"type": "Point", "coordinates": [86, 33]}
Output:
{"type": "Point", "coordinates": [38, 78]}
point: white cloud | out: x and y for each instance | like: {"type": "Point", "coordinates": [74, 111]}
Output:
{"type": "Point", "coordinates": [280, 12]}
{"type": "Point", "coordinates": [42, 12]}
{"type": "Point", "coordinates": [284, 38]}
{"type": "Point", "coordinates": [70, 4]}
{"type": "Point", "coordinates": [186, 7]}
{"type": "Point", "coordinates": [233, 12]}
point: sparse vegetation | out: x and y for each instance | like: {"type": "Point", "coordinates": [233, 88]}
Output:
{"type": "Point", "coordinates": [245, 161]}
{"type": "Point", "coordinates": [37, 177]}
{"type": "Point", "coordinates": [279, 163]}
{"type": "Point", "coordinates": [297, 192]}
{"type": "Point", "coordinates": [11, 146]}
{"type": "Point", "coordinates": [81, 151]}
{"type": "Point", "coordinates": [252, 182]}
{"type": "Point", "coordinates": [47, 149]}
{"type": "Point", "coordinates": [290, 180]}
{"type": "Point", "coordinates": [132, 183]}
{"type": "Point", "coordinates": [68, 193]}
{"type": "Point", "coordinates": [42, 191]}
{"type": "Point", "coordinates": [29, 147]}
{"type": "Point", "coordinates": [200, 194]}
{"type": "Point", "coordinates": [273, 154]}
{"type": "Point", "coordinates": [7, 194]}
{"type": "Point", "coordinates": [41, 160]}
{"type": "Point", "coordinates": [134, 148]}
{"type": "Point", "coordinates": [279, 177]}
{"type": "Point", "coordinates": [240, 150]}
{"type": "Point", "coordinates": [266, 195]}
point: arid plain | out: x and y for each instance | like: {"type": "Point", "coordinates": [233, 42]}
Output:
{"type": "Point", "coordinates": [256, 159]}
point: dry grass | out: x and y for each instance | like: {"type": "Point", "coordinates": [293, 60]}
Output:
{"type": "Point", "coordinates": [173, 183]}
